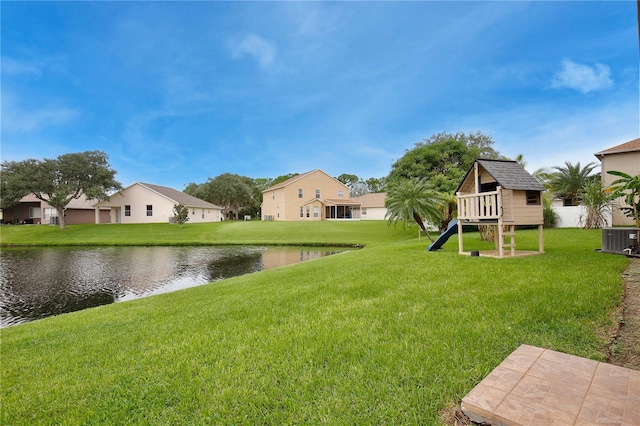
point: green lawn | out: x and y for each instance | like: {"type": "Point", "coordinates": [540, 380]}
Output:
{"type": "Point", "coordinates": [387, 334]}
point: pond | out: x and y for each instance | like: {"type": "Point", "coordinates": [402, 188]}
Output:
{"type": "Point", "coordinates": [41, 282]}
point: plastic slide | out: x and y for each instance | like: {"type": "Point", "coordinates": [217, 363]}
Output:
{"type": "Point", "coordinates": [442, 238]}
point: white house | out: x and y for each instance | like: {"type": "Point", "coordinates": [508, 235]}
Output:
{"type": "Point", "coordinates": [147, 203]}
{"type": "Point", "coordinates": [372, 206]}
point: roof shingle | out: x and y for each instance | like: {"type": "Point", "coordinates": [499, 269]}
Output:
{"type": "Point", "coordinates": [509, 175]}
{"type": "Point", "coordinates": [180, 197]}
{"type": "Point", "coordinates": [633, 145]}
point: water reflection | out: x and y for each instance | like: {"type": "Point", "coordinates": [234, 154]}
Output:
{"type": "Point", "coordinates": [40, 282]}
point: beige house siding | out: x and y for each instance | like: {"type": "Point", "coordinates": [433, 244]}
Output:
{"type": "Point", "coordinates": [623, 158]}
{"type": "Point", "coordinates": [308, 196]}
{"type": "Point", "coordinates": [372, 207]}
{"type": "Point", "coordinates": [143, 203]}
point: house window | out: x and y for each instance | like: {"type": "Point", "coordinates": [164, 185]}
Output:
{"type": "Point", "coordinates": [300, 193]}
{"type": "Point", "coordinates": [316, 211]}
{"type": "Point", "coordinates": [533, 198]}
{"type": "Point", "coordinates": [301, 211]}
{"type": "Point", "coordinates": [317, 193]}
{"type": "Point", "coordinates": [149, 210]}
{"type": "Point", "coordinates": [127, 210]}
{"type": "Point", "coordinates": [273, 195]}
{"type": "Point", "coordinates": [34, 212]}
{"type": "Point", "coordinates": [341, 194]}
{"type": "Point", "coordinates": [364, 211]}
{"type": "Point", "coordinates": [193, 212]}
{"type": "Point", "coordinates": [308, 211]}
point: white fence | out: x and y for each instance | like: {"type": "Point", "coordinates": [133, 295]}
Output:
{"type": "Point", "coordinates": [573, 216]}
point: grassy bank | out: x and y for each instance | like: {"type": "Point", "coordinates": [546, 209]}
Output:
{"type": "Point", "coordinates": [234, 232]}
{"type": "Point", "coordinates": [387, 334]}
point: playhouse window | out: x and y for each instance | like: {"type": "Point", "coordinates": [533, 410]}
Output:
{"type": "Point", "coordinates": [533, 198]}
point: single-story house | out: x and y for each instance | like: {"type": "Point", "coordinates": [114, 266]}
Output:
{"type": "Point", "coordinates": [372, 206]}
{"type": "Point", "coordinates": [32, 210]}
{"type": "Point", "coordinates": [312, 195]}
{"type": "Point", "coordinates": [147, 203]}
{"type": "Point", "coordinates": [622, 158]}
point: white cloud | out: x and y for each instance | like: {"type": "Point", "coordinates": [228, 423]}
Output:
{"type": "Point", "coordinates": [20, 120]}
{"type": "Point", "coordinates": [582, 78]}
{"type": "Point", "coordinates": [11, 66]}
{"type": "Point", "coordinates": [260, 49]}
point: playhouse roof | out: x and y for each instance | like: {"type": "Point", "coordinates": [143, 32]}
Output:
{"type": "Point", "coordinates": [508, 174]}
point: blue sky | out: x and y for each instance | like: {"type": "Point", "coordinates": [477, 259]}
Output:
{"type": "Point", "coordinates": [176, 92]}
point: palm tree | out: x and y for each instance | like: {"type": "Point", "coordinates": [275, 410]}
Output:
{"type": "Point", "coordinates": [597, 203]}
{"type": "Point", "coordinates": [628, 187]}
{"type": "Point", "coordinates": [567, 181]}
{"type": "Point", "coordinates": [412, 199]}
{"type": "Point", "coordinates": [449, 207]}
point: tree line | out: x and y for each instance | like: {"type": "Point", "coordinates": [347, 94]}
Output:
{"type": "Point", "coordinates": [420, 185]}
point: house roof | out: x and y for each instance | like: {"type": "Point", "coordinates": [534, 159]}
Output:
{"type": "Point", "coordinates": [82, 203]}
{"type": "Point", "coordinates": [179, 197]}
{"type": "Point", "coordinates": [374, 199]}
{"type": "Point", "coordinates": [630, 146]}
{"type": "Point", "coordinates": [297, 178]}
{"type": "Point", "coordinates": [342, 201]}
{"type": "Point", "coordinates": [508, 174]}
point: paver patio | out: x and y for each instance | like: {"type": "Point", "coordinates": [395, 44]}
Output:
{"type": "Point", "coordinates": [535, 386]}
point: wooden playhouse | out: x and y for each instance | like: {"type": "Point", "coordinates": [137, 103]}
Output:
{"type": "Point", "coordinates": [501, 194]}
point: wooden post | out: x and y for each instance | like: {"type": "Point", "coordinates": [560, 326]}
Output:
{"type": "Point", "coordinates": [460, 239]}
{"type": "Point", "coordinates": [501, 239]}
{"type": "Point", "coordinates": [540, 239]}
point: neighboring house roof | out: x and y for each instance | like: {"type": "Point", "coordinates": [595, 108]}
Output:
{"type": "Point", "coordinates": [76, 203]}
{"type": "Point", "coordinates": [179, 197]}
{"type": "Point", "coordinates": [374, 199]}
{"type": "Point", "coordinates": [175, 196]}
{"type": "Point", "coordinates": [342, 201]}
{"type": "Point", "coordinates": [296, 178]}
{"type": "Point", "coordinates": [509, 175]}
{"type": "Point", "coordinates": [630, 146]}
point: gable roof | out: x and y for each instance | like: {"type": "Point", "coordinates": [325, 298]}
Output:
{"type": "Point", "coordinates": [630, 146]}
{"type": "Point", "coordinates": [508, 174]}
{"type": "Point", "coordinates": [373, 199]}
{"type": "Point", "coordinates": [179, 197]}
{"type": "Point", "coordinates": [297, 178]}
{"type": "Point", "coordinates": [76, 203]}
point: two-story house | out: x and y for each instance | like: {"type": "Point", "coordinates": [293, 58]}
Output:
{"type": "Point", "coordinates": [309, 196]}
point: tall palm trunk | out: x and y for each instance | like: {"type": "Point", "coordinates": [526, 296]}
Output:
{"type": "Point", "coordinates": [420, 223]}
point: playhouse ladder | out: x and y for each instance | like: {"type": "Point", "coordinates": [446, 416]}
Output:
{"type": "Point", "coordinates": [510, 233]}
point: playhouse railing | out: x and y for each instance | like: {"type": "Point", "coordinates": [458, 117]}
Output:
{"type": "Point", "coordinates": [482, 206]}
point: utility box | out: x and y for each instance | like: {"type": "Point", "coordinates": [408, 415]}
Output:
{"type": "Point", "coordinates": [615, 240]}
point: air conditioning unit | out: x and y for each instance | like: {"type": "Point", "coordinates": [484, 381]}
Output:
{"type": "Point", "coordinates": [615, 240]}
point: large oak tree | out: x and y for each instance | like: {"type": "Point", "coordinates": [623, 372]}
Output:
{"type": "Point", "coordinates": [58, 181]}
{"type": "Point", "coordinates": [443, 159]}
